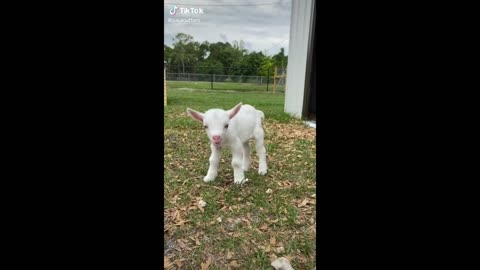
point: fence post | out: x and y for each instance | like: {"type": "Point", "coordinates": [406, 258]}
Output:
{"type": "Point", "coordinates": [275, 80]}
{"type": "Point", "coordinates": [212, 82]}
{"type": "Point", "coordinates": [268, 77]}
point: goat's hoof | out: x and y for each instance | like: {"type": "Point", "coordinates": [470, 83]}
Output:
{"type": "Point", "coordinates": [208, 178]}
{"type": "Point", "coordinates": [262, 172]}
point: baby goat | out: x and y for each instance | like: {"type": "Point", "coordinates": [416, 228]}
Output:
{"type": "Point", "coordinates": [233, 128]}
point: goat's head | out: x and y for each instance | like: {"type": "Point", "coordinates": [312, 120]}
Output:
{"type": "Point", "coordinates": [215, 122]}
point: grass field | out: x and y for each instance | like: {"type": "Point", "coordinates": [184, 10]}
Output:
{"type": "Point", "coordinates": [224, 86]}
{"type": "Point", "coordinates": [241, 227]}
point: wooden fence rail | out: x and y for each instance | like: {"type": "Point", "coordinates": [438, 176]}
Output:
{"type": "Point", "coordinates": [277, 77]}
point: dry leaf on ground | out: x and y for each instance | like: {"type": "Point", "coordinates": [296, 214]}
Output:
{"type": "Point", "coordinates": [166, 262]}
{"type": "Point", "coordinates": [234, 264]}
{"type": "Point", "coordinates": [303, 203]}
{"type": "Point", "coordinates": [206, 264]}
{"type": "Point", "coordinates": [272, 241]}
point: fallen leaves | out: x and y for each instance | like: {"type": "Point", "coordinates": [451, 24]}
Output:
{"type": "Point", "coordinates": [232, 224]}
{"type": "Point", "coordinates": [273, 241]}
{"type": "Point", "coordinates": [290, 131]}
{"type": "Point", "coordinates": [280, 250]}
{"type": "Point", "coordinates": [206, 264]}
{"type": "Point", "coordinates": [234, 264]}
{"type": "Point", "coordinates": [166, 262]}
{"type": "Point", "coordinates": [173, 217]}
{"type": "Point", "coordinates": [195, 240]}
{"type": "Point", "coordinates": [312, 230]}
{"type": "Point", "coordinates": [285, 184]}
{"type": "Point", "coordinates": [198, 216]}
{"type": "Point", "coordinates": [180, 222]}
{"type": "Point", "coordinates": [183, 244]}
{"type": "Point", "coordinates": [179, 262]}
{"type": "Point", "coordinates": [201, 204]}
{"type": "Point", "coordinates": [303, 203]}
{"type": "Point", "coordinates": [306, 201]}
{"type": "Point", "coordinates": [249, 224]}
{"type": "Point", "coordinates": [264, 227]}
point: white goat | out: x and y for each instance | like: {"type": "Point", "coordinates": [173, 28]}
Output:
{"type": "Point", "coordinates": [233, 128]}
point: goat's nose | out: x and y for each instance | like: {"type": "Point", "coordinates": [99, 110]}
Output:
{"type": "Point", "coordinates": [216, 138]}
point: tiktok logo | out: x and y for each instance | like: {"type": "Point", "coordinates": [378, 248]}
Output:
{"type": "Point", "coordinates": [173, 11]}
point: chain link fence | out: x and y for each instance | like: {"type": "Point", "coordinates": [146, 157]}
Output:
{"type": "Point", "coordinates": [226, 82]}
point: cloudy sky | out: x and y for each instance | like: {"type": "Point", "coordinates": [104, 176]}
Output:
{"type": "Point", "coordinates": [261, 24]}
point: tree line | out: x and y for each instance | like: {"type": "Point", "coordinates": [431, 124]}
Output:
{"type": "Point", "coordinates": [189, 56]}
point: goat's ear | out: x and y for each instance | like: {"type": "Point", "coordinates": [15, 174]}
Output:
{"type": "Point", "coordinates": [195, 115]}
{"type": "Point", "coordinates": [235, 110]}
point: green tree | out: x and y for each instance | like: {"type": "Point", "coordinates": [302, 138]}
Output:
{"type": "Point", "coordinates": [266, 67]}
{"type": "Point", "coordinates": [167, 54]}
{"type": "Point", "coordinates": [187, 55]}
{"type": "Point", "coordinates": [253, 62]}
{"type": "Point", "coordinates": [183, 48]}
{"type": "Point", "coordinates": [280, 59]}
{"type": "Point", "coordinates": [211, 66]}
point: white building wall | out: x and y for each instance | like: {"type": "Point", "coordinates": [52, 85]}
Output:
{"type": "Point", "coordinates": [300, 28]}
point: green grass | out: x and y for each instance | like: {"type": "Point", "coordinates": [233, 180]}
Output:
{"type": "Point", "coordinates": [272, 104]}
{"type": "Point", "coordinates": [244, 87]}
{"type": "Point", "coordinates": [250, 217]}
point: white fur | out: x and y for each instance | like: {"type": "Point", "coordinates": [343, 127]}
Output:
{"type": "Point", "coordinates": [244, 123]}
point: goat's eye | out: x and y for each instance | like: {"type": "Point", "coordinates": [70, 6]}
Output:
{"type": "Point", "coordinates": [226, 126]}
{"type": "Point", "coordinates": [205, 126]}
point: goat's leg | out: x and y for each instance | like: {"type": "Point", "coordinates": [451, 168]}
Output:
{"type": "Point", "coordinates": [214, 160]}
{"type": "Point", "coordinates": [258, 134]}
{"type": "Point", "coordinates": [237, 160]}
{"type": "Point", "coordinates": [246, 156]}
